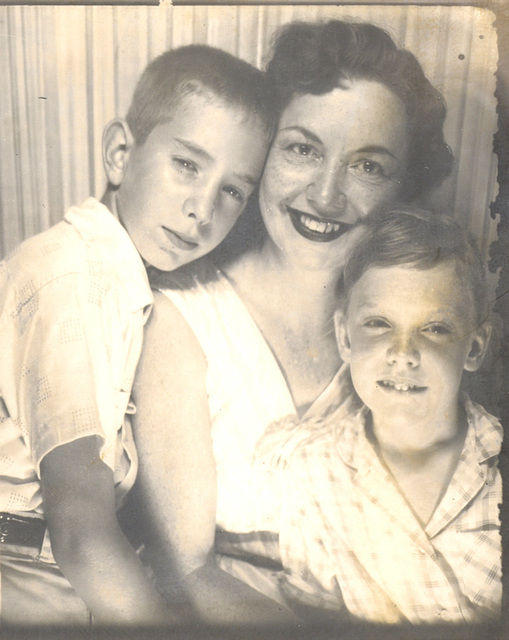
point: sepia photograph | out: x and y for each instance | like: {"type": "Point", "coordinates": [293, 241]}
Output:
{"type": "Point", "coordinates": [254, 322]}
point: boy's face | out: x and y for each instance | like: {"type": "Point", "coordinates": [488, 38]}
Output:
{"type": "Point", "coordinates": [408, 335]}
{"type": "Point", "coordinates": [187, 184]}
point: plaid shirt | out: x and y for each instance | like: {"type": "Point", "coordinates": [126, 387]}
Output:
{"type": "Point", "coordinates": [349, 539]}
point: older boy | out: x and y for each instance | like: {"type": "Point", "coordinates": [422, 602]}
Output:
{"type": "Point", "coordinates": [73, 303]}
{"type": "Point", "coordinates": [391, 509]}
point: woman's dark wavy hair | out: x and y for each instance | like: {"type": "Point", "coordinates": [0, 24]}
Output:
{"type": "Point", "coordinates": [315, 58]}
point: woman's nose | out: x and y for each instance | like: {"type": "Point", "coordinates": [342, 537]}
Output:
{"type": "Point", "coordinates": [326, 192]}
{"type": "Point", "coordinates": [403, 351]}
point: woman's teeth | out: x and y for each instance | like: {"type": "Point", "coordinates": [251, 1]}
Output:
{"type": "Point", "coordinates": [315, 229]}
{"type": "Point", "coordinates": [316, 225]}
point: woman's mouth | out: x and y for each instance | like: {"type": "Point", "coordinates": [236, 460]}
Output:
{"type": "Point", "coordinates": [316, 229]}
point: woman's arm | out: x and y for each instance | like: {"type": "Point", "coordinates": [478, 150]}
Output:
{"type": "Point", "coordinates": [87, 541]}
{"type": "Point", "coordinates": [176, 484]}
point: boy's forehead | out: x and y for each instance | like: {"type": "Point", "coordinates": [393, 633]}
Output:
{"type": "Point", "coordinates": [439, 285]}
{"type": "Point", "coordinates": [199, 96]}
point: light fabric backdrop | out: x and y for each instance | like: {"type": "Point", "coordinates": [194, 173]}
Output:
{"type": "Point", "coordinates": [66, 71]}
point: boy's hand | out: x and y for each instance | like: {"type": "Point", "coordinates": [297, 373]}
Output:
{"type": "Point", "coordinates": [87, 542]}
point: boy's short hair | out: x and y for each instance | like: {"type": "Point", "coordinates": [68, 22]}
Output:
{"type": "Point", "coordinates": [180, 72]}
{"type": "Point", "coordinates": [422, 240]}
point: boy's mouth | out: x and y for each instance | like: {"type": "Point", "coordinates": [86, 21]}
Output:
{"type": "Point", "coordinates": [180, 241]}
{"type": "Point", "coordinates": [316, 229]}
{"type": "Point", "coordinates": [400, 386]}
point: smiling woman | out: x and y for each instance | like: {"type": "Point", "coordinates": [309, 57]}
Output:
{"type": "Point", "coordinates": [325, 174]}
{"type": "Point", "coordinates": [253, 332]}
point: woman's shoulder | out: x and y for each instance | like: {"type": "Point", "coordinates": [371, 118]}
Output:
{"type": "Point", "coordinates": [202, 297]}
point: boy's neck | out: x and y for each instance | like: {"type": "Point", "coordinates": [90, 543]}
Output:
{"type": "Point", "coordinates": [109, 200]}
{"type": "Point", "coordinates": [418, 437]}
{"type": "Point", "coordinates": [423, 473]}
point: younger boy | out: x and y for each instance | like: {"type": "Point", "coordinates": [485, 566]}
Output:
{"type": "Point", "coordinates": [73, 303]}
{"type": "Point", "coordinates": [391, 509]}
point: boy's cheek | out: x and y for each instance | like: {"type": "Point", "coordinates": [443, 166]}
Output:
{"type": "Point", "coordinates": [362, 348]}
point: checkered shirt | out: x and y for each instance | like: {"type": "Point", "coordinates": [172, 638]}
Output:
{"type": "Point", "coordinates": [350, 541]}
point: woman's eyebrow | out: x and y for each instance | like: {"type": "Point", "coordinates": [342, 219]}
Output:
{"type": "Point", "coordinates": [378, 149]}
{"type": "Point", "coordinates": [305, 132]}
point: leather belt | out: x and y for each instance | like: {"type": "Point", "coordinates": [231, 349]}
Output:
{"type": "Point", "coordinates": [21, 530]}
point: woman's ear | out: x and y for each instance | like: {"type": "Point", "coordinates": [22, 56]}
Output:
{"type": "Point", "coordinates": [116, 146]}
{"type": "Point", "coordinates": [478, 346]}
{"type": "Point", "coordinates": [342, 335]}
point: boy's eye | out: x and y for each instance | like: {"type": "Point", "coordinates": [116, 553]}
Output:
{"type": "Point", "coordinates": [183, 164]}
{"type": "Point", "coordinates": [376, 323]}
{"type": "Point", "coordinates": [234, 193]}
{"type": "Point", "coordinates": [437, 329]}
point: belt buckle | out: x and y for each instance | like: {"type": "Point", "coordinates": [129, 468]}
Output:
{"type": "Point", "coordinates": [21, 530]}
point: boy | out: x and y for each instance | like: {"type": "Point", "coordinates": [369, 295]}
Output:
{"type": "Point", "coordinates": [391, 507]}
{"type": "Point", "coordinates": [73, 303]}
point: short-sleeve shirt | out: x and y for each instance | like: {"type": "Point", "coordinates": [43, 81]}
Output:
{"type": "Point", "coordinates": [73, 304]}
{"type": "Point", "coordinates": [349, 539]}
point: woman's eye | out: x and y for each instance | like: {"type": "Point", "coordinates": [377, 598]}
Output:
{"type": "Point", "coordinates": [370, 169]}
{"type": "Point", "coordinates": [303, 150]}
{"type": "Point", "coordinates": [185, 165]}
{"type": "Point", "coordinates": [234, 193]}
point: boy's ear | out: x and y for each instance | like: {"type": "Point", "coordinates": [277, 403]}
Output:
{"type": "Point", "coordinates": [478, 346]}
{"type": "Point", "coordinates": [342, 335]}
{"type": "Point", "coordinates": [117, 144]}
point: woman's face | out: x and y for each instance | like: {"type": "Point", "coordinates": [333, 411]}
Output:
{"type": "Point", "coordinates": [336, 158]}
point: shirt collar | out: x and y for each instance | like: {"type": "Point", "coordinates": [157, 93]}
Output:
{"type": "Point", "coordinates": [475, 466]}
{"type": "Point", "coordinates": [484, 435]}
{"type": "Point", "coordinates": [482, 442]}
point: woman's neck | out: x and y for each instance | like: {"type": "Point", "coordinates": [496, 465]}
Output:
{"type": "Point", "coordinates": [294, 311]}
{"type": "Point", "coordinates": [270, 280]}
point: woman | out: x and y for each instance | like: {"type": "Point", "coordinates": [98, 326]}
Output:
{"type": "Point", "coordinates": [232, 351]}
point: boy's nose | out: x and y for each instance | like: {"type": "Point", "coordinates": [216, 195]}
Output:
{"type": "Point", "coordinates": [403, 351]}
{"type": "Point", "coordinates": [200, 208]}
{"type": "Point", "coordinates": [326, 192]}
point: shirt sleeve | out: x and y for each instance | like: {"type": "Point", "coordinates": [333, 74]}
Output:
{"type": "Point", "coordinates": [64, 352]}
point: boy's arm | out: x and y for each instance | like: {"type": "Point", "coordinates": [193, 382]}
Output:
{"type": "Point", "coordinates": [87, 542]}
{"type": "Point", "coordinates": [177, 473]}
{"type": "Point", "coordinates": [63, 393]}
